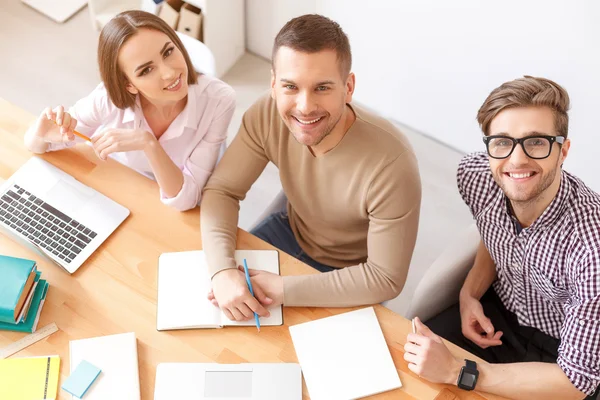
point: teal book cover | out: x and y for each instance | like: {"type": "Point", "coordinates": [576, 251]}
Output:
{"type": "Point", "coordinates": [14, 273]}
{"type": "Point", "coordinates": [33, 316]}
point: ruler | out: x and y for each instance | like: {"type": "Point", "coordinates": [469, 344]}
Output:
{"type": "Point", "coordinates": [28, 340]}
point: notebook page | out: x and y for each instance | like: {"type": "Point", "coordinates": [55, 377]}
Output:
{"type": "Point", "coordinates": [183, 286]}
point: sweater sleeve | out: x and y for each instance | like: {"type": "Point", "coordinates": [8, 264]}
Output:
{"type": "Point", "coordinates": [242, 164]}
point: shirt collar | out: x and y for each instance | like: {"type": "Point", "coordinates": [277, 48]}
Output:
{"type": "Point", "coordinates": [553, 211]}
{"type": "Point", "coordinates": [190, 111]}
{"type": "Point", "coordinates": [558, 205]}
{"type": "Point", "coordinates": [193, 113]}
{"type": "Point", "coordinates": [130, 114]}
{"type": "Point", "coordinates": [189, 117]}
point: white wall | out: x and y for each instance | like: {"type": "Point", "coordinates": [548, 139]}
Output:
{"type": "Point", "coordinates": [430, 64]}
{"type": "Point", "coordinates": [264, 18]}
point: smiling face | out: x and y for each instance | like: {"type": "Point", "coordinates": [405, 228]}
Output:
{"type": "Point", "coordinates": [521, 178]}
{"type": "Point", "coordinates": [154, 67]}
{"type": "Point", "coordinates": [311, 93]}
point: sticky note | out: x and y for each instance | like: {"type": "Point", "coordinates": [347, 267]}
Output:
{"type": "Point", "coordinates": [81, 379]}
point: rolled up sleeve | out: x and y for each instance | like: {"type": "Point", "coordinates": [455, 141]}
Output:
{"type": "Point", "coordinates": [187, 198]}
{"type": "Point", "coordinates": [203, 159]}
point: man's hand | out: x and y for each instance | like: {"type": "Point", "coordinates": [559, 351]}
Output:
{"type": "Point", "coordinates": [428, 356]}
{"type": "Point", "coordinates": [475, 325]}
{"type": "Point", "coordinates": [230, 293]}
{"type": "Point", "coordinates": [270, 283]}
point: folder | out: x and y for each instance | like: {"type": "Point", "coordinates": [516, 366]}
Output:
{"type": "Point", "coordinates": [29, 378]}
{"type": "Point", "coordinates": [18, 275]}
{"type": "Point", "coordinates": [184, 283]}
{"type": "Point", "coordinates": [116, 356]}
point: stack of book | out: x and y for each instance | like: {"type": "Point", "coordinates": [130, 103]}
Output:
{"type": "Point", "coordinates": [22, 294]}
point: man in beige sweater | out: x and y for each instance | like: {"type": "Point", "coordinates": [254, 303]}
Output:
{"type": "Point", "coordinates": [351, 179]}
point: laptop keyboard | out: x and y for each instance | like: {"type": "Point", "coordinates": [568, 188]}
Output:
{"type": "Point", "coordinates": [43, 224]}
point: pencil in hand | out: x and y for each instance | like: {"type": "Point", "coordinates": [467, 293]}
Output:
{"type": "Point", "coordinates": [251, 292]}
{"type": "Point", "coordinates": [81, 135]}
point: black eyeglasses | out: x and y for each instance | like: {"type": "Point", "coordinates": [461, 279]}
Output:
{"type": "Point", "coordinates": [536, 147]}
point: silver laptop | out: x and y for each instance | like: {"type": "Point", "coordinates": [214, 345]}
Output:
{"type": "Point", "coordinates": [57, 215]}
{"type": "Point", "coordinates": [276, 381]}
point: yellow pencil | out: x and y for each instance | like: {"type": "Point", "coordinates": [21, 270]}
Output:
{"type": "Point", "coordinates": [81, 135]}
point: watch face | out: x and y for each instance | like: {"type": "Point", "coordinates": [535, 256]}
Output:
{"type": "Point", "coordinates": [467, 379]}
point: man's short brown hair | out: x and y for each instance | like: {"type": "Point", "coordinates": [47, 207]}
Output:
{"type": "Point", "coordinates": [312, 33]}
{"type": "Point", "coordinates": [528, 91]}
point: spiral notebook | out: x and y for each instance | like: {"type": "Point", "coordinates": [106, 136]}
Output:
{"type": "Point", "coordinates": [29, 378]}
{"type": "Point", "coordinates": [184, 283]}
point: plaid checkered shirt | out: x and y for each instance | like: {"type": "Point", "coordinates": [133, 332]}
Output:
{"type": "Point", "coordinates": [549, 273]}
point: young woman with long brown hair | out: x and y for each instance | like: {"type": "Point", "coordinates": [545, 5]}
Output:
{"type": "Point", "coordinates": [151, 112]}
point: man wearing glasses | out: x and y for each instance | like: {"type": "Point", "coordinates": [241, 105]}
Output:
{"type": "Point", "coordinates": [530, 305]}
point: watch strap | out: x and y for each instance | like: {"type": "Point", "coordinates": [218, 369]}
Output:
{"type": "Point", "coordinates": [471, 364]}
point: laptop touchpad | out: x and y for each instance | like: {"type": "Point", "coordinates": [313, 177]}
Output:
{"type": "Point", "coordinates": [236, 384]}
{"type": "Point", "coordinates": [67, 197]}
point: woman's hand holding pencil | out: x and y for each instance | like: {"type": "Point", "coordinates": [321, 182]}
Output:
{"type": "Point", "coordinates": [57, 126]}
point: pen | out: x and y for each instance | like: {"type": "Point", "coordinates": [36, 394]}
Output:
{"type": "Point", "coordinates": [413, 326]}
{"type": "Point", "coordinates": [251, 292]}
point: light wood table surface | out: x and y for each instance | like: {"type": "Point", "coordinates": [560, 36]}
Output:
{"type": "Point", "coordinates": [115, 289]}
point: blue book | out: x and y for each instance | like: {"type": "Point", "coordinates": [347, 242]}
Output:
{"type": "Point", "coordinates": [17, 276]}
{"type": "Point", "coordinates": [30, 323]}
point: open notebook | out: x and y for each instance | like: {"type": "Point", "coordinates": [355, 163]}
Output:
{"type": "Point", "coordinates": [184, 282]}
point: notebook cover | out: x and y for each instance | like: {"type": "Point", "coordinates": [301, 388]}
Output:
{"type": "Point", "coordinates": [15, 273]}
{"type": "Point", "coordinates": [29, 378]}
{"type": "Point", "coordinates": [116, 356]}
{"type": "Point", "coordinates": [345, 356]}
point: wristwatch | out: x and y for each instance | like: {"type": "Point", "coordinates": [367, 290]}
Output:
{"type": "Point", "coordinates": [467, 379]}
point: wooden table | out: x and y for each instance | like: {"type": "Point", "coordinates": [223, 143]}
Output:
{"type": "Point", "coordinates": [115, 290]}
